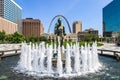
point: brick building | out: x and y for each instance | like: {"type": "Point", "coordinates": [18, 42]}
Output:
{"type": "Point", "coordinates": [32, 27]}
{"type": "Point", "coordinates": [77, 27]}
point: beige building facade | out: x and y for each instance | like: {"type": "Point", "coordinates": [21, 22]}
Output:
{"type": "Point", "coordinates": [81, 35]}
{"type": "Point", "coordinates": [77, 27]}
{"type": "Point", "coordinates": [32, 27]}
{"type": "Point", "coordinates": [8, 26]}
{"type": "Point", "coordinates": [71, 37]}
{"type": "Point", "coordinates": [92, 31]}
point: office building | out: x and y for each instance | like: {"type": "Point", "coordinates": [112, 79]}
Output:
{"type": "Point", "coordinates": [81, 35]}
{"type": "Point", "coordinates": [91, 31]}
{"type": "Point", "coordinates": [111, 18]}
{"type": "Point", "coordinates": [32, 27]}
{"type": "Point", "coordinates": [11, 11]}
{"type": "Point", "coordinates": [77, 27]}
{"type": "Point", "coordinates": [71, 37]}
{"type": "Point", "coordinates": [8, 26]}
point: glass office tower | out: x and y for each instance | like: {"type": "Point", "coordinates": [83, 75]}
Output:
{"type": "Point", "coordinates": [10, 10]}
{"type": "Point", "coordinates": [111, 17]}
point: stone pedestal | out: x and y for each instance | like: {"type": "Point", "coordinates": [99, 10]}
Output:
{"type": "Point", "coordinates": [54, 59]}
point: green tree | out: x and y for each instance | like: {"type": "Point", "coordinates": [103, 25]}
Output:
{"type": "Point", "coordinates": [106, 39]}
{"type": "Point", "coordinates": [33, 39]}
{"type": "Point", "coordinates": [90, 37]}
{"type": "Point", "coordinates": [42, 38]}
{"type": "Point", "coordinates": [9, 38]}
{"type": "Point", "coordinates": [95, 37]}
{"type": "Point", "coordinates": [17, 37]}
{"type": "Point", "coordinates": [87, 37]}
{"type": "Point", "coordinates": [118, 38]}
{"type": "Point", "coordinates": [27, 39]}
{"type": "Point", "coordinates": [2, 36]}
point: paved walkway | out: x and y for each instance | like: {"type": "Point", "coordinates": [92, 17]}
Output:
{"type": "Point", "coordinates": [110, 46]}
{"type": "Point", "coordinates": [106, 46]}
{"type": "Point", "coordinates": [4, 47]}
{"type": "Point", "coordinates": [9, 46]}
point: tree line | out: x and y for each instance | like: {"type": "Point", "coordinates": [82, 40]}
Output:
{"type": "Point", "coordinates": [18, 38]}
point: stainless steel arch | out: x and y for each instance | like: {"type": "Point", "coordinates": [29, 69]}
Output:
{"type": "Point", "coordinates": [62, 17]}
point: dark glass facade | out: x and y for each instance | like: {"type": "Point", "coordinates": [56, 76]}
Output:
{"type": "Point", "coordinates": [111, 17]}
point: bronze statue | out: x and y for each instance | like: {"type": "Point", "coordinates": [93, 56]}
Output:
{"type": "Point", "coordinates": [59, 30]}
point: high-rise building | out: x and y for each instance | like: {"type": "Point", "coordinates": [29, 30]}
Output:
{"type": "Point", "coordinates": [11, 11]}
{"type": "Point", "coordinates": [111, 18]}
{"type": "Point", "coordinates": [77, 27]}
{"type": "Point", "coordinates": [32, 27]}
{"type": "Point", "coordinates": [8, 26]}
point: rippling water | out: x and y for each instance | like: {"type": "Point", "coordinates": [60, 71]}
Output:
{"type": "Point", "coordinates": [110, 71]}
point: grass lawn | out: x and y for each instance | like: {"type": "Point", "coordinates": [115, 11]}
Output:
{"type": "Point", "coordinates": [80, 43]}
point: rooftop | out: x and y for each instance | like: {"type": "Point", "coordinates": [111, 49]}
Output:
{"type": "Point", "coordinates": [16, 4]}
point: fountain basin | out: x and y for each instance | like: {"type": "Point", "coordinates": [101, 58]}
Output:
{"type": "Point", "coordinates": [39, 60]}
{"type": "Point", "coordinates": [110, 71]}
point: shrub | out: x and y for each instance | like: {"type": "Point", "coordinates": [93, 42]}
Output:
{"type": "Point", "coordinates": [2, 36]}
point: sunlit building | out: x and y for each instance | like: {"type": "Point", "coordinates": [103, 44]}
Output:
{"type": "Point", "coordinates": [11, 11]}
{"type": "Point", "coordinates": [71, 37]}
{"type": "Point", "coordinates": [77, 27]}
{"type": "Point", "coordinates": [32, 27]}
{"type": "Point", "coordinates": [8, 26]}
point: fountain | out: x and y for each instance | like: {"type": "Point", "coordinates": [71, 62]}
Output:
{"type": "Point", "coordinates": [32, 60]}
{"type": "Point", "coordinates": [39, 59]}
{"type": "Point", "coordinates": [42, 61]}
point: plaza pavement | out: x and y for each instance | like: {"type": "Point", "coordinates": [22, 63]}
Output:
{"type": "Point", "coordinates": [110, 46]}
{"type": "Point", "coordinates": [5, 47]}
{"type": "Point", "coordinates": [106, 46]}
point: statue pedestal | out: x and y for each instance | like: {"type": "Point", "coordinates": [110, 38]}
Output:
{"type": "Point", "coordinates": [54, 59]}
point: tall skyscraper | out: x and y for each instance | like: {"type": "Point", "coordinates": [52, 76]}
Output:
{"type": "Point", "coordinates": [11, 11]}
{"type": "Point", "coordinates": [77, 27]}
{"type": "Point", "coordinates": [32, 27]}
{"type": "Point", "coordinates": [111, 18]}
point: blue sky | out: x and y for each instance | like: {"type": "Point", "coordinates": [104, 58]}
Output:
{"type": "Point", "coordinates": [89, 12]}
